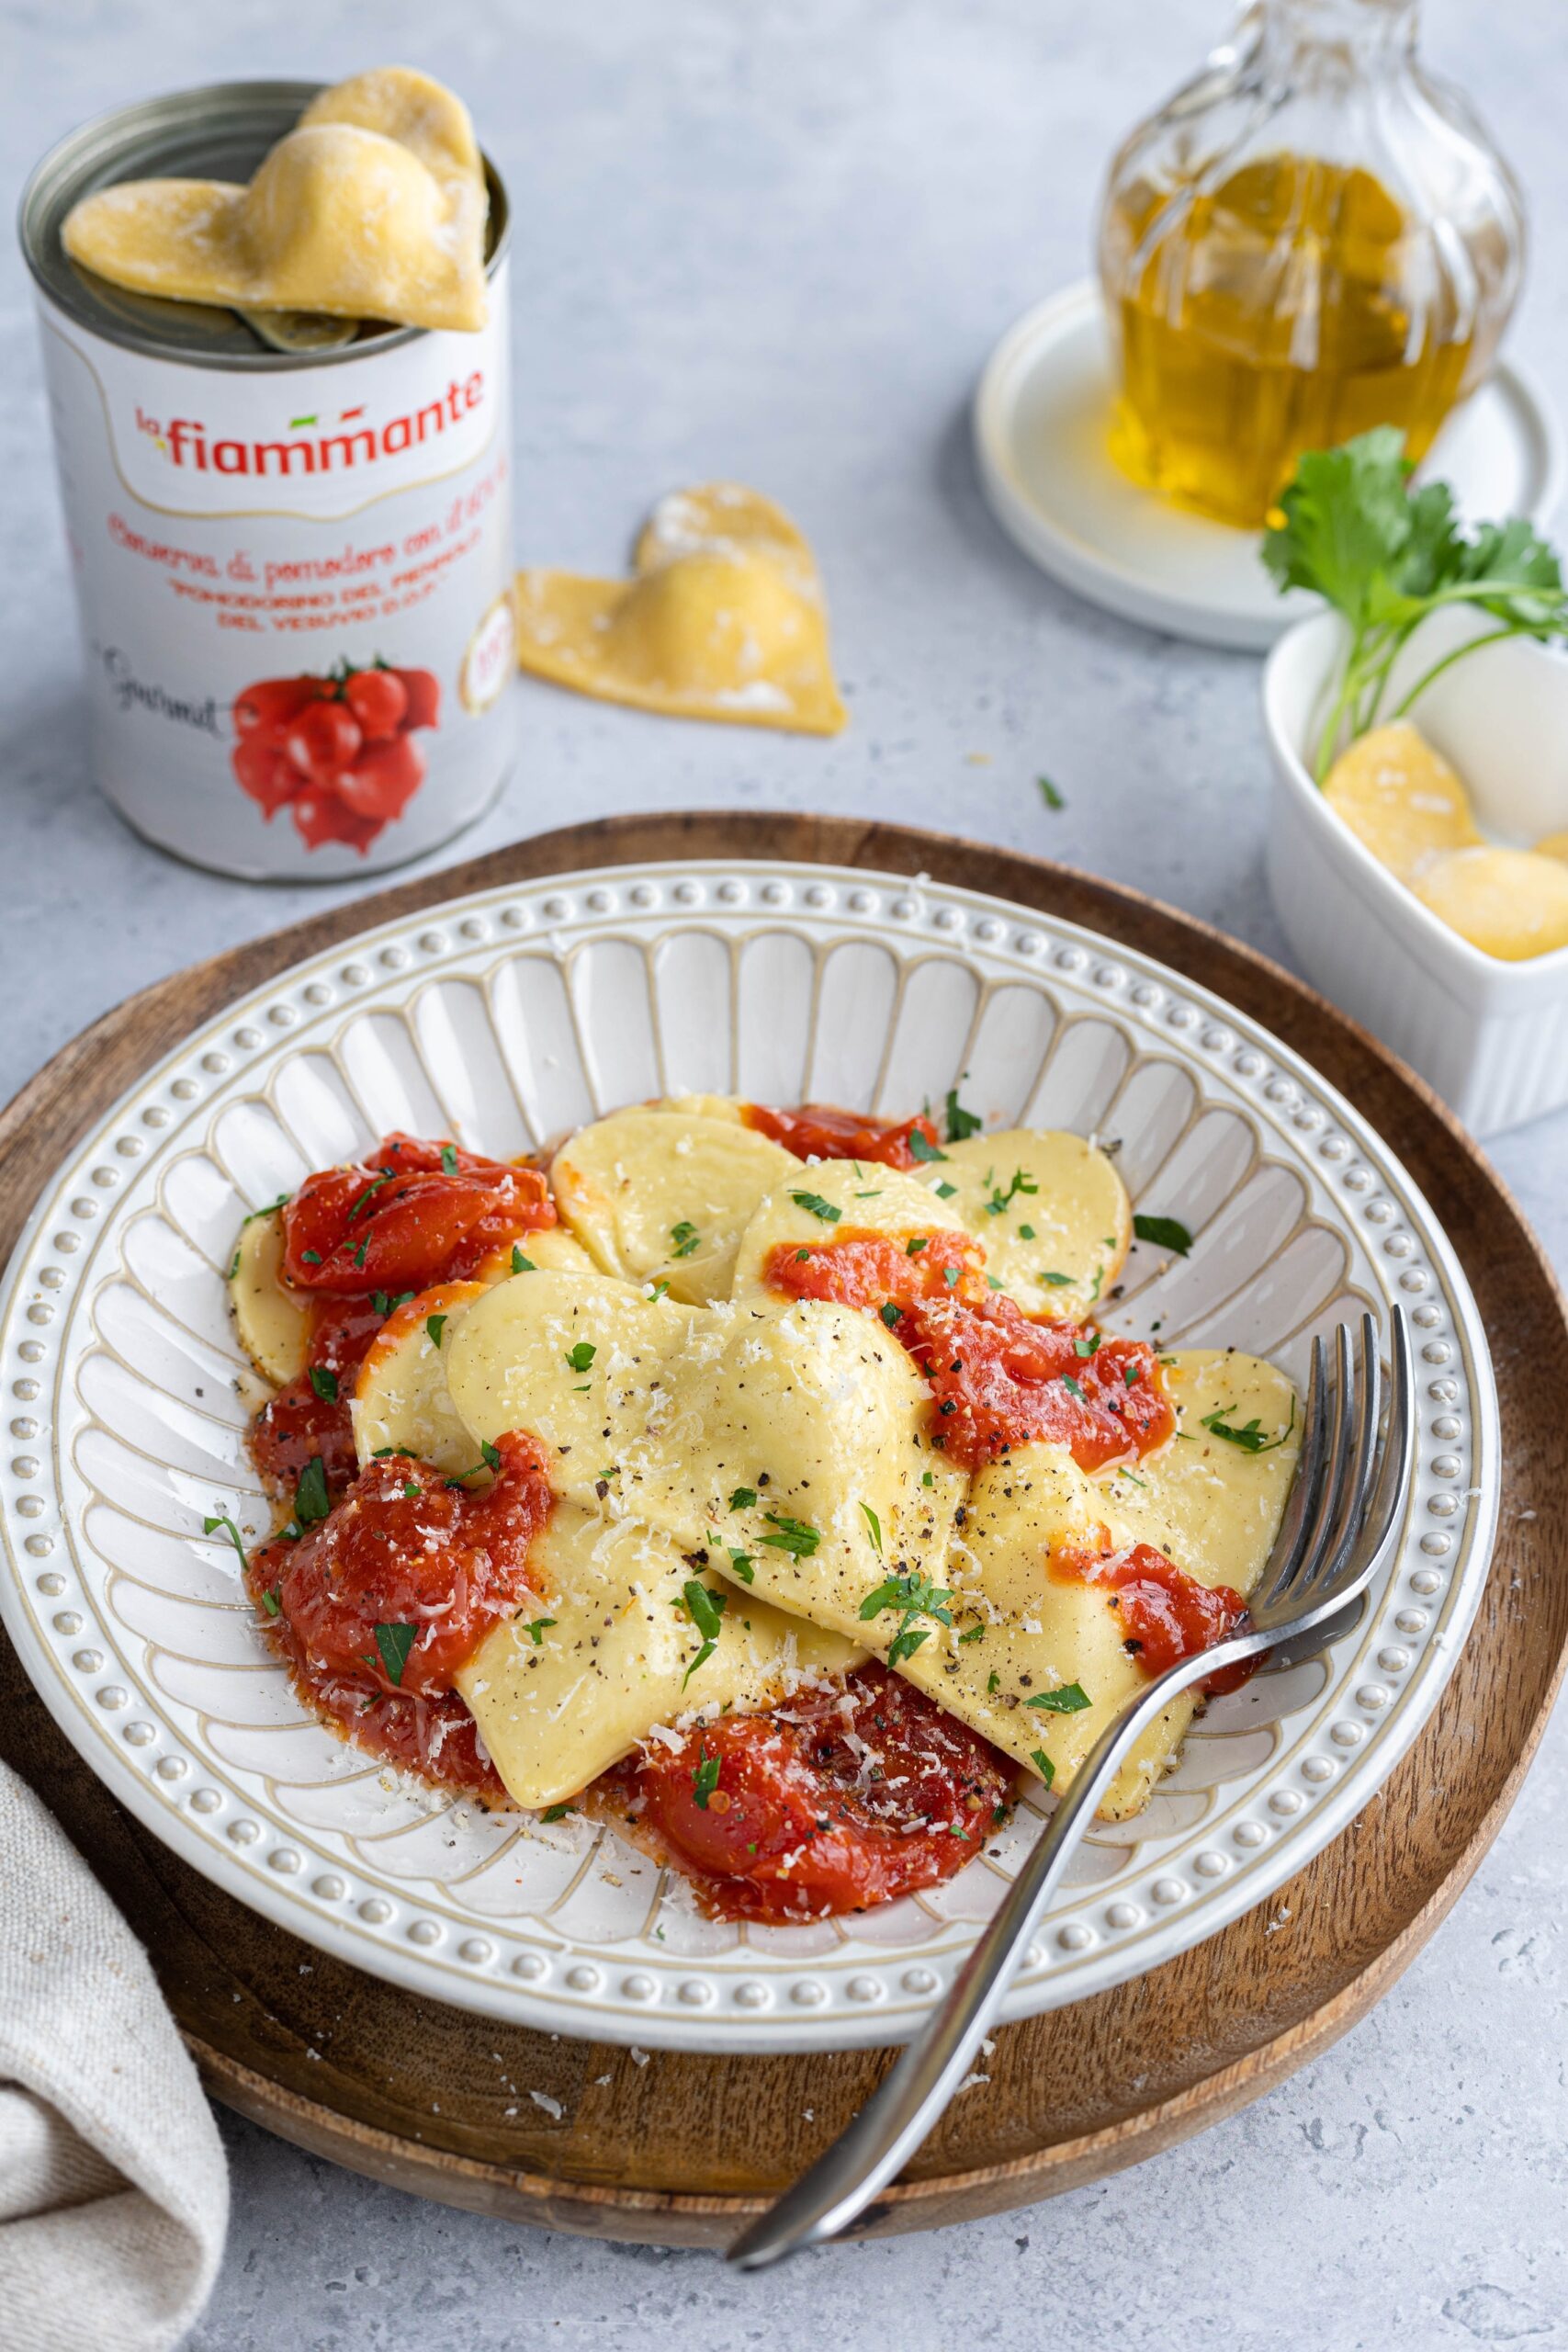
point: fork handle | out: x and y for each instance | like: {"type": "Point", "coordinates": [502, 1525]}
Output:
{"type": "Point", "coordinates": [908, 2100]}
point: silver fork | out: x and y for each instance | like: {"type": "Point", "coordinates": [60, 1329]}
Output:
{"type": "Point", "coordinates": [1344, 1505]}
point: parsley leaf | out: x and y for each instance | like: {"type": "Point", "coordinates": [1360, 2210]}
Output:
{"type": "Point", "coordinates": [435, 1324]}
{"type": "Point", "coordinates": [324, 1380]}
{"type": "Point", "coordinates": [1044, 1766]}
{"type": "Point", "coordinates": [815, 1206]}
{"type": "Point", "coordinates": [1250, 1436]}
{"type": "Point", "coordinates": [892, 1316]}
{"type": "Point", "coordinates": [1351, 529]}
{"type": "Point", "coordinates": [876, 1526]}
{"type": "Point", "coordinates": [534, 1629]}
{"type": "Point", "coordinates": [684, 1239]}
{"type": "Point", "coordinates": [311, 1500]}
{"type": "Point", "coordinates": [1071, 1385]}
{"type": "Point", "coordinates": [1165, 1232]}
{"type": "Point", "coordinates": [1049, 793]}
{"type": "Point", "coordinates": [922, 1149]}
{"type": "Point", "coordinates": [521, 1265]}
{"type": "Point", "coordinates": [448, 1160]}
{"type": "Point", "coordinates": [959, 1122]}
{"type": "Point", "coordinates": [704, 1780]}
{"type": "Point", "coordinates": [1071, 1699]}
{"type": "Point", "coordinates": [705, 1609]}
{"type": "Point", "coordinates": [222, 1520]}
{"type": "Point", "coordinates": [394, 1642]}
{"type": "Point", "coordinates": [913, 1596]}
{"type": "Point", "coordinates": [1055, 1282]}
{"type": "Point", "coordinates": [555, 1813]}
{"type": "Point", "coordinates": [792, 1535]}
{"type": "Point", "coordinates": [741, 1566]}
{"type": "Point", "coordinates": [581, 1356]}
{"type": "Point", "coordinates": [272, 1601]}
{"type": "Point", "coordinates": [743, 1497]}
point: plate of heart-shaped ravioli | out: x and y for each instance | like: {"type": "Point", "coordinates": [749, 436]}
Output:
{"type": "Point", "coordinates": [604, 1454]}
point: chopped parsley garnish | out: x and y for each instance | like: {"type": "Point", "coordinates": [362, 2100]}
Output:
{"type": "Point", "coordinates": [993, 1683]}
{"type": "Point", "coordinates": [222, 1520]}
{"type": "Point", "coordinates": [892, 1316]}
{"type": "Point", "coordinates": [1165, 1232]}
{"type": "Point", "coordinates": [999, 1202]}
{"type": "Point", "coordinates": [1250, 1436]}
{"type": "Point", "coordinates": [740, 1564]}
{"type": "Point", "coordinates": [448, 1160]}
{"type": "Point", "coordinates": [535, 1629]}
{"type": "Point", "coordinates": [490, 1460]}
{"type": "Point", "coordinates": [581, 1356]}
{"type": "Point", "coordinates": [950, 1275]}
{"type": "Point", "coordinates": [975, 1633]}
{"type": "Point", "coordinates": [944, 1190]}
{"type": "Point", "coordinates": [1053, 1280]}
{"type": "Point", "coordinates": [311, 1500]}
{"type": "Point", "coordinates": [926, 1479]}
{"type": "Point", "coordinates": [521, 1265]}
{"type": "Point", "coordinates": [1026, 1233]}
{"type": "Point", "coordinates": [913, 1247]}
{"type": "Point", "coordinates": [270, 1210]}
{"type": "Point", "coordinates": [1044, 1766]}
{"type": "Point", "coordinates": [684, 1239]}
{"type": "Point", "coordinates": [385, 1306]}
{"type": "Point", "coordinates": [311, 1257]}
{"type": "Point", "coordinates": [876, 1526]}
{"type": "Point", "coordinates": [815, 1206]}
{"type": "Point", "coordinates": [359, 1254]}
{"type": "Point", "coordinates": [435, 1324]}
{"type": "Point", "coordinates": [324, 1380]}
{"type": "Point", "coordinates": [369, 1194]}
{"type": "Point", "coordinates": [914, 1595]}
{"type": "Point", "coordinates": [271, 1602]}
{"type": "Point", "coordinates": [743, 1497]}
{"type": "Point", "coordinates": [1049, 793]}
{"type": "Point", "coordinates": [1071, 1385]}
{"type": "Point", "coordinates": [923, 1150]}
{"type": "Point", "coordinates": [555, 1813]}
{"type": "Point", "coordinates": [995, 1281]}
{"type": "Point", "coordinates": [704, 1780]}
{"type": "Point", "coordinates": [1070, 1700]}
{"type": "Point", "coordinates": [959, 1122]}
{"type": "Point", "coordinates": [394, 1642]}
{"type": "Point", "coordinates": [705, 1609]}
{"type": "Point", "coordinates": [656, 1292]}
{"type": "Point", "coordinates": [410, 1491]}
{"type": "Point", "coordinates": [1089, 1345]}
{"type": "Point", "coordinates": [792, 1535]}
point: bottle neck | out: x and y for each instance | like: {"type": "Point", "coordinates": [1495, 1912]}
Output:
{"type": "Point", "coordinates": [1352, 39]}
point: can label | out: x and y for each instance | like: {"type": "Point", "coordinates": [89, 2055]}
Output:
{"type": "Point", "coordinates": [295, 589]}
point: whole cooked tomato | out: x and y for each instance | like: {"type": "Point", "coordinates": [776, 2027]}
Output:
{"type": "Point", "coordinates": [383, 779]}
{"type": "Point", "coordinates": [399, 1223]}
{"type": "Point", "coordinates": [379, 701]}
{"type": "Point", "coordinates": [324, 740]}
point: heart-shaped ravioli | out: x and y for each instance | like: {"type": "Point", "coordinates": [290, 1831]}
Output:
{"type": "Point", "coordinates": [373, 207]}
{"type": "Point", "coordinates": [723, 618]}
{"type": "Point", "coordinates": [663, 1194]}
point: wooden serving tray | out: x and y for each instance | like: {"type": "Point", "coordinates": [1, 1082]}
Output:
{"type": "Point", "coordinates": [678, 2149]}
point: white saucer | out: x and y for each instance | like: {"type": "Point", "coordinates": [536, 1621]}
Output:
{"type": "Point", "coordinates": [1040, 433]}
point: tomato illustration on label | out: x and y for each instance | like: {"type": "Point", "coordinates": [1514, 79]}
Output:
{"type": "Point", "coordinates": [337, 751]}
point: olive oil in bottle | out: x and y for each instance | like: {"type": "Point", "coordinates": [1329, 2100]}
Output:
{"type": "Point", "coordinates": [1298, 247]}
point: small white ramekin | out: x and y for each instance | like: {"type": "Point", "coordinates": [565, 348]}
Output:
{"type": "Point", "coordinates": [1491, 1037]}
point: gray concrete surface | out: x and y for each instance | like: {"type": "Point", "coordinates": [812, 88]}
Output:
{"type": "Point", "coordinates": [774, 241]}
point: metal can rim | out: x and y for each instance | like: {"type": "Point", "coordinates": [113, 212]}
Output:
{"type": "Point", "coordinates": [89, 137]}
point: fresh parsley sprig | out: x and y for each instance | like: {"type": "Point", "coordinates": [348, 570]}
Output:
{"type": "Point", "coordinates": [1352, 529]}
{"type": "Point", "coordinates": [913, 1596]}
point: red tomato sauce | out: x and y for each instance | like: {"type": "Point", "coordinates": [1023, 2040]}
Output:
{"type": "Point", "coordinates": [413, 1214]}
{"type": "Point", "coordinates": [1166, 1615]}
{"type": "Point", "coordinates": [998, 1378]}
{"type": "Point", "coordinates": [879, 1270]}
{"type": "Point", "coordinates": [360, 1240]}
{"type": "Point", "coordinates": [377, 1605]}
{"type": "Point", "coordinates": [842, 1799]}
{"type": "Point", "coordinates": [818, 1131]}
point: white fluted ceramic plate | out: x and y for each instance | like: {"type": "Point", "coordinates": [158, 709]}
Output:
{"type": "Point", "coordinates": [503, 1018]}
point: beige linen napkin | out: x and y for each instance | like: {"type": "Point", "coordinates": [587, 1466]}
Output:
{"type": "Point", "coordinates": [113, 2192]}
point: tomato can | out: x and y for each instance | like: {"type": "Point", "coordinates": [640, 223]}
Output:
{"type": "Point", "coordinates": [293, 570]}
